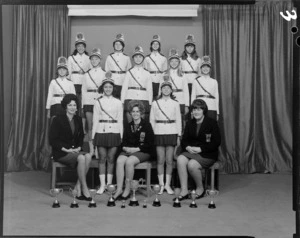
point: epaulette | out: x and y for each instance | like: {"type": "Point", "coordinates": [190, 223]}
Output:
{"type": "Point", "coordinates": [88, 71]}
{"type": "Point", "coordinates": [130, 68]}
{"type": "Point", "coordinates": [124, 54]}
{"type": "Point", "coordinates": [161, 54]}
{"type": "Point", "coordinates": [147, 56]}
{"type": "Point", "coordinates": [146, 69]}
{"type": "Point", "coordinates": [69, 79]}
{"type": "Point", "coordinates": [174, 99]}
{"type": "Point", "coordinates": [198, 77]}
{"type": "Point", "coordinates": [100, 97]}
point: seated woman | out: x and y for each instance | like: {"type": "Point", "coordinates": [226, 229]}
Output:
{"type": "Point", "coordinates": [137, 145]}
{"type": "Point", "coordinates": [200, 143]}
{"type": "Point", "coordinates": [66, 139]}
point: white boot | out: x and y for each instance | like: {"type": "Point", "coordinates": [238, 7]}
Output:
{"type": "Point", "coordinates": [96, 153]}
{"type": "Point", "coordinates": [102, 184]}
{"type": "Point", "coordinates": [161, 183]}
{"type": "Point", "coordinates": [109, 178]}
{"type": "Point", "coordinates": [92, 152]}
{"type": "Point", "coordinates": [167, 185]}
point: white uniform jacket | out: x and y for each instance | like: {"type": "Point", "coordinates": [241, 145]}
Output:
{"type": "Point", "coordinates": [118, 72]}
{"type": "Point", "coordinates": [56, 94]}
{"type": "Point", "coordinates": [74, 68]}
{"type": "Point", "coordinates": [161, 63]}
{"type": "Point", "coordinates": [179, 87]}
{"type": "Point", "coordinates": [160, 123]}
{"type": "Point", "coordinates": [211, 86]}
{"type": "Point", "coordinates": [89, 88]}
{"type": "Point", "coordinates": [102, 123]}
{"type": "Point", "coordinates": [138, 91]}
{"type": "Point", "coordinates": [190, 68]}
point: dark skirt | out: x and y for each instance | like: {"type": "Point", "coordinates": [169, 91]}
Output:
{"type": "Point", "coordinates": [56, 110]}
{"type": "Point", "coordinates": [78, 94]}
{"type": "Point", "coordinates": [117, 91]}
{"type": "Point", "coordinates": [155, 89]}
{"type": "Point", "coordinates": [70, 159]}
{"type": "Point", "coordinates": [144, 102]}
{"type": "Point", "coordinates": [165, 140]}
{"type": "Point", "coordinates": [140, 155]}
{"type": "Point", "coordinates": [182, 109]}
{"type": "Point", "coordinates": [204, 162]}
{"type": "Point", "coordinates": [107, 139]}
{"type": "Point", "coordinates": [88, 108]}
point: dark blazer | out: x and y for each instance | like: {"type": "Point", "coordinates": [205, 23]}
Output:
{"type": "Point", "coordinates": [143, 138]}
{"type": "Point", "coordinates": [208, 139]}
{"type": "Point", "coordinates": [61, 135]}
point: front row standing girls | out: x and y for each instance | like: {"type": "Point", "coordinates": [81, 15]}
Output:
{"type": "Point", "coordinates": [137, 84]}
{"type": "Point", "coordinates": [137, 145]}
{"type": "Point", "coordinates": [58, 88]}
{"type": "Point", "coordinates": [66, 139]}
{"type": "Point", "coordinates": [92, 81]}
{"type": "Point", "coordinates": [200, 142]}
{"type": "Point", "coordinates": [165, 119]}
{"type": "Point", "coordinates": [107, 130]}
{"type": "Point", "coordinates": [206, 88]}
{"type": "Point", "coordinates": [118, 63]}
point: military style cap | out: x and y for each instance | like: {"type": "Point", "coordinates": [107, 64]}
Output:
{"type": "Point", "coordinates": [108, 78]}
{"type": "Point", "coordinates": [120, 37]}
{"type": "Point", "coordinates": [80, 39]}
{"type": "Point", "coordinates": [138, 50]}
{"type": "Point", "coordinates": [155, 38]}
{"type": "Point", "coordinates": [190, 39]}
{"type": "Point", "coordinates": [205, 61]}
{"type": "Point", "coordinates": [62, 62]}
{"type": "Point", "coordinates": [167, 81]}
{"type": "Point", "coordinates": [173, 54]}
{"type": "Point", "coordinates": [96, 52]}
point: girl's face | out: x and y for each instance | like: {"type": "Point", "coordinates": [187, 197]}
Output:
{"type": "Point", "coordinates": [118, 46]}
{"type": "Point", "coordinates": [166, 90]}
{"type": "Point", "coordinates": [80, 48]}
{"type": "Point", "coordinates": [155, 45]}
{"type": "Point", "coordinates": [95, 61]}
{"type": "Point", "coordinates": [138, 59]}
{"type": "Point", "coordinates": [72, 108]}
{"type": "Point", "coordinates": [62, 72]}
{"type": "Point", "coordinates": [205, 69]}
{"type": "Point", "coordinates": [174, 63]}
{"type": "Point", "coordinates": [189, 49]}
{"type": "Point", "coordinates": [136, 113]}
{"type": "Point", "coordinates": [198, 113]}
{"type": "Point", "coordinates": [108, 89]}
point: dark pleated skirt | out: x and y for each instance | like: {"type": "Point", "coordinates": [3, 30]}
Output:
{"type": "Point", "coordinates": [107, 139]}
{"type": "Point", "coordinates": [88, 108]}
{"type": "Point", "coordinates": [56, 110]}
{"type": "Point", "coordinates": [165, 140]}
{"type": "Point", "coordinates": [155, 89]}
{"type": "Point", "coordinates": [140, 155]}
{"type": "Point", "coordinates": [204, 162]}
{"type": "Point", "coordinates": [117, 91]}
{"type": "Point", "coordinates": [70, 159]}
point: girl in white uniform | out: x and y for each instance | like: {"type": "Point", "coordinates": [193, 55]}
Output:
{"type": "Point", "coordinates": [92, 81]}
{"type": "Point", "coordinates": [58, 88]}
{"type": "Point", "coordinates": [179, 83]}
{"type": "Point", "coordinates": [165, 119]}
{"type": "Point", "coordinates": [190, 62]}
{"type": "Point", "coordinates": [156, 63]}
{"type": "Point", "coordinates": [107, 130]}
{"type": "Point", "coordinates": [137, 85]}
{"type": "Point", "coordinates": [118, 63]}
{"type": "Point", "coordinates": [206, 88]}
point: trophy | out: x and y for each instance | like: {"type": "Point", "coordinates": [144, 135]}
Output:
{"type": "Point", "coordinates": [93, 193]}
{"type": "Point", "coordinates": [55, 192]}
{"type": "Point", "coordinates": [212, 193]}
{"type": "Point", "coordinates": [193, 195]}
{"type": "Point", "coordinates": [74, 204]}
{"type": "Point", "coordinates": [156, 189]}
{"type": "Point", "coordinates": [111, 189]}
{"type": "Point", "coordinates": [176, 202]}
{"type": "Point", "coordinates": [134, 186]}
{"type": "Point", "coordinates": [123, 204]}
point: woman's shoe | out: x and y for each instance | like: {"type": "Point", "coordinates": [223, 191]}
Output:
{"type": "Point", "coordinates": [101, 190]}
{"type": "Point", "coordinates": [181, 198]}
{"type": "Point", "coordinates": [124, 198]}
{"type": "Point", "coordinates": [161, 191]}
{"type": "Point", "coordinates": [169, 189]}
{"type": "Point", "coordinates": [198, 196]}
{"type": "Point", "coordinates": [81, 197]}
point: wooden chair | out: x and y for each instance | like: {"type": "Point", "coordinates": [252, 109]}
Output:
{"type": "Point", "coordinates": [147, 166]}
{"type": "Point", "coordinates": [55, 165]}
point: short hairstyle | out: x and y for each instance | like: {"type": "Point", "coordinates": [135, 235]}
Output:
{"type": "Point", "coordinates": [199, 103]}
{"type": "Point", "coordinates": [138, 104]}
{"type": "Point", "coordinates": [67, 99]}
{"type": "Point", "coordinates": [100, 89]}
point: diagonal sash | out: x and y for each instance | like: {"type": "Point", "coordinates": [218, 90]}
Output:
{"type": "Point", "coordinates": [155, 64]}
{"type": "Point", "coordinates": [60, 86]}
{"type": "Point", "coordinates": [93, 79]}
{"type": "Point", "coordinates": [116, 63]}
{"type": "Point", "coordinates": [135, 79]}
{"type": "Point", "coordinates": [190, 64]}
{"type": "Point", "coordinates": [77, 63]}
{"type": "Point", "coordinates": [105, 111]}
{"type": "Point", "coordinates": [173, 82]}
{"type": "Point", "coordinates": [163, 111]}
{"type": "Point", "coordinates": [205, 89]}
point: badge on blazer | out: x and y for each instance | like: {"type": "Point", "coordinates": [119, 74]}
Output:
{"type": "Point", "coordinates": [208, 137]}
{"type": "Point", "coordinates": [142, 137]}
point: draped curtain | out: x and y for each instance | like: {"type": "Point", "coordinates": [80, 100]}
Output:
{"type": "Point", "coordinates": [40, 35]}
{"type": "Point", "coordinates": [251, 49]}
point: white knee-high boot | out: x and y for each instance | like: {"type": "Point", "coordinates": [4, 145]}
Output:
{"type": "Point", "coordinates": [109, 178]}
{"type": "Point", "coordinates": [168, 182]}
{"type": "Point", "coordinates": [161, 183]}
{"type": "Point", "coordinates": [102, 184]}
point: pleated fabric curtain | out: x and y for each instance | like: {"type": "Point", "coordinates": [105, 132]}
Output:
{"type": "Point", "coordinates": [40, 35]}
{"type": "Point", "coordinates": [251, 47]}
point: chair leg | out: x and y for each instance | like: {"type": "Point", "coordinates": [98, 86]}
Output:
{"type": "Point", "coordinates": [206, 171]}
{"type": "Point", "coordinates": [53, 176]}
{"type": "Point", "coordinates": [212, 179]}
{"type": "Point", "coordinates": [148, 181]}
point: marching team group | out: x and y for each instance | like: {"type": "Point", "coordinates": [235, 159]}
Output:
{"type": "Point", "coordinates": [145, 110]}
